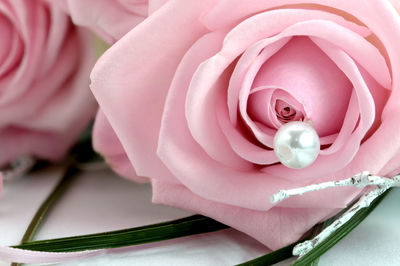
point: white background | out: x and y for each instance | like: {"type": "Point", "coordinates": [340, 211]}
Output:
{"type": "Point", "coordinates": [100, 201]}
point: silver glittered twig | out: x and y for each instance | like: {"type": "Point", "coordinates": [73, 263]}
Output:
{"type": "Point", "coordinates": [360, 180]}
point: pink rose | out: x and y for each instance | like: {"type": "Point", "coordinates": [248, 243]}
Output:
{"type": "Point", "coordinates": [197, 92]}
{"type": "Point", "coordinates": [45, 62]}
{"type": "Point", "coordinates": [110, 19]}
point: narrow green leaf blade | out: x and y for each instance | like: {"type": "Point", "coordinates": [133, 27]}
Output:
{"type": "Point", "coordinates": [271, 258]}
{"type": "Point", "coordinates": [192, 225]}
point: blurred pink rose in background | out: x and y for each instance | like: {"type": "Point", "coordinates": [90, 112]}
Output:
{"type": "Point", "coordinates": [195, 94]}
{"type": "Point", "coordinates": [110, 19]}
{"type": "Point", "coordinates": [45, 61]}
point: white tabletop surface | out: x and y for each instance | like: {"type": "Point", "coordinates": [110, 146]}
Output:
{"type": "Point", "coordinates": [100, 201]}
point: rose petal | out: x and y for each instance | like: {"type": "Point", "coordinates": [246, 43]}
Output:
{"type": "Point", "coordinates": [240, 143]}
{"type": "Point", "coordinates": [274, 24]}
{"type": "Point", "coordinates": [8, 34]}
{"type": "Point", "coordinates": [41, 144]}
{"type": "Point", "coordinates": [109, 19]}
{"type": "Point", "coordinates": [276, 228]}
{"type": "Point", "coordinates": [34, 41]}
{"type": "Point", "coordinates": [128, 92]}
{"type": "Point", "coordinates": [267, 53]}
{"type": "Point", "coordinates": [106, 142]}
{"type": "Point", "coordinates": [154, 5]}
{"type": "Point", "coordinates": [304, 71]}
{"type": "Point", "coordinates": [201, 106]}
{"type": "Point", "coordinates": [326, 165]}
{"type": "Point", "coordinates": [379, 153]}
{"type": "Point", "coordinates": [357, 8]}
{"type": "Point", "coordinates": [201, 103]}
{"type": "Point", "coordinates": [197, 170]}
{"type": "Point", "coordinates": [59, 98]}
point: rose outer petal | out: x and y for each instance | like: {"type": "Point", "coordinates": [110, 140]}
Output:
{"type": "Point", "coordinates": [356, 10]}
{"type": "Point", "coordinates": [110, 19]}
{"type": "Point", "coordinates": [154, 5]}
{"type": "Point", "coordinates": [106, 142]}
{"type": "Point", "coordinates": [131, 97]}
{"type": "Point", "coordinates": [275, 228]}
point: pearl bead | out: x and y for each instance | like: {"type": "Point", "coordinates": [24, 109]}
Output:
{"type": "Point", "coordinates": [296, 144]}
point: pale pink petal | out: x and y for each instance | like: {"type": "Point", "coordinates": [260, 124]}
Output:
{"type": "Point", "coordinates": [384, 27]}
{"type": "Point", "coordinates": [106, 142]}
{"type": "Point", "coordinates": [16, 142]}
{"type": "Point", "coordinates": [203, 125]}
{"type": "Point", "coordinates": [8, 35]}
{"type": "Point", "coordinates": [366, 13]}
{"type": "Point", "coordinates": [240, 143]}
{"type": "Point", "coordinates": [348, 126]}
{"type": "Point", "coordinates": [392, 167]}
{"type": "Point", "coordinates": [60, 97]}
{"type": "Point", "coordinates": [259, 106]}
{"type": "Point", "coordinates": [14, 55]}
{"type": "Point", "coordinates": [276, 228]}
{"type": "Point", "coordinates": [378, 151]}
{"type": "Point", "coordinates": [139, 7]}
{"type": "Point", "coordinates": [264, 53]}
{"type": "Point", "coordinates": [303, 70]}
{"type": "Point", "coordinates": [206, 177]}
{"type": "Point", "coordinates": [131, 97]}
{"type": "Point", "coordinates": [27, 14]}
{"type": "Point", "coordinates": [194, 168]}
{"type": "Point", "coordinates": [109, 19]}
{"type": "Point", "coordinates": [45, 101]}
{"type": "Point", "coordinates": [328, 164]}
{"type": "Point", "coordinates": [154, 5]}
{"type": "Point", "coordinates": [269, 24]}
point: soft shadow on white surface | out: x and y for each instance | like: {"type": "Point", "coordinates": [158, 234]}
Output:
{"type": "Point", "coordinates": [100, 201]}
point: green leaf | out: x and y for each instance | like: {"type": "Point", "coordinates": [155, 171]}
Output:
{"type": "Point", "coordinates": [48, 204]}
{"type": "Point", "coordinates": [271, 258]}
{"type": "Point", "coordinates": [339, 234]}
{"type": "Point", "coordinates": [192, 225]}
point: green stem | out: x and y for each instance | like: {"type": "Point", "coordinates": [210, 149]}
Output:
{"type": "Point", "coordinates": [46, 206]}
{"type": "Point", "coordinates": [192, 225]}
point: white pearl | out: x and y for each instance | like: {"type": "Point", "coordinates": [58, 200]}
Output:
{"type": "Point", "coordinates": [296, 144]}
